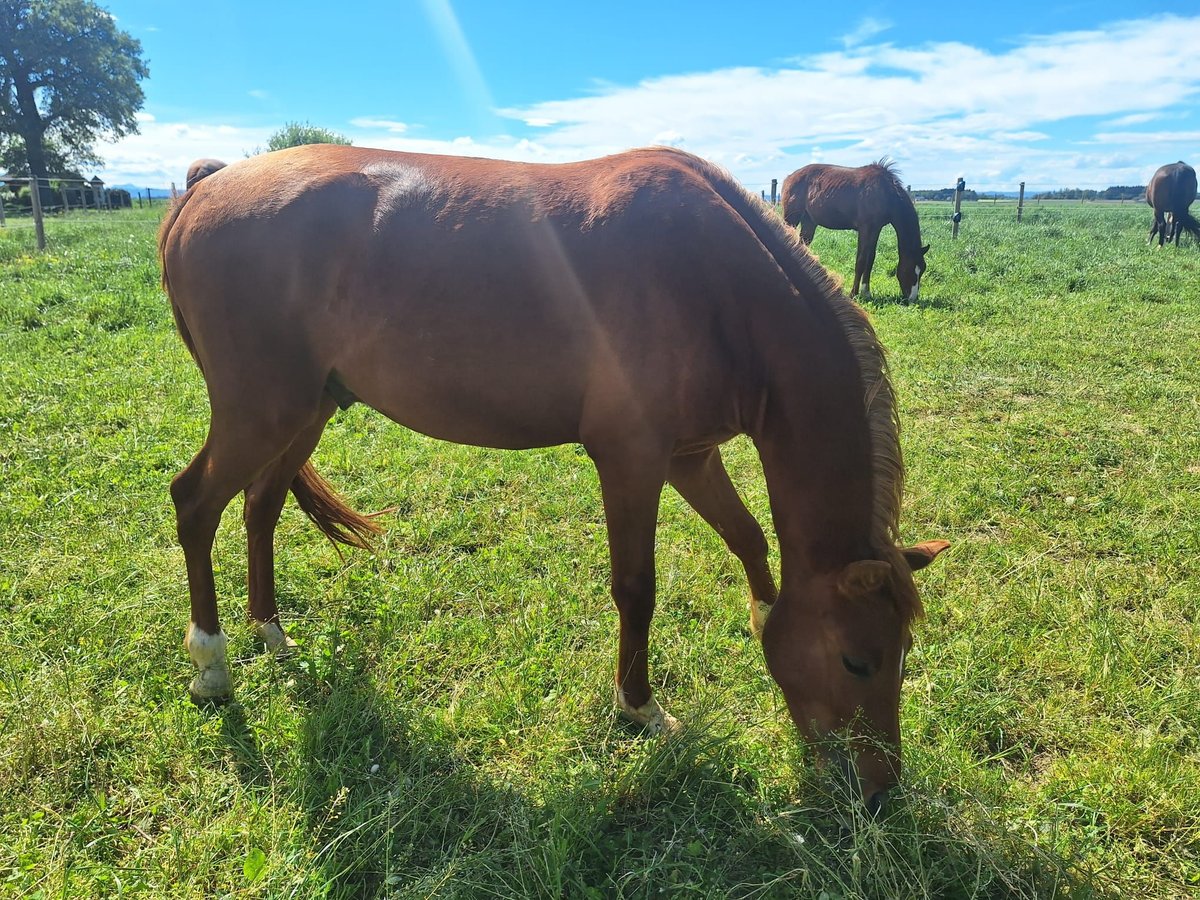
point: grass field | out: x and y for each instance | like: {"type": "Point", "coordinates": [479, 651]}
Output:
{"type": "Point", "coordinates": [447, 727]}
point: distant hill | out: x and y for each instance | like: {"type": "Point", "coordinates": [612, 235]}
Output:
{"type": "Point", "coordinates": [135, 190]}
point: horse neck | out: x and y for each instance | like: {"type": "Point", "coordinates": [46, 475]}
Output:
{"type": "Point", "coordinates": [814, 443]}
{"type": "Point", "coordinates": [905, 221]}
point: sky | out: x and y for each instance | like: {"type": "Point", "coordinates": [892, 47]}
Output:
{"type": "Point", "coordinates": [1056, 94]}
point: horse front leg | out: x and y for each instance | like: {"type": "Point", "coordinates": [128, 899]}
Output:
{"type": "Point", "coordinates": [703, 481]}
{"type": "Point", "coordinates": [631, 482]}
{"type": "Point", "coordinates": [868, 240]}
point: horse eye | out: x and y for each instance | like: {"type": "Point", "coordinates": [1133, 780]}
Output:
{"type": "Point", "coordinates": [856, 668]}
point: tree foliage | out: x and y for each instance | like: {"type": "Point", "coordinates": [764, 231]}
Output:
{"type": "Point", "coordinates": [293, 134]}
{"type": "Point", "coordinates": [59, 161]}
{"type": "Point", "coordinates": [68, 75]}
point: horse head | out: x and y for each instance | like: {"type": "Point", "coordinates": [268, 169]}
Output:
{"type": "Point", "coordinates": [838, 656]}
{"type": "Point", "coordinates": [909, 271]}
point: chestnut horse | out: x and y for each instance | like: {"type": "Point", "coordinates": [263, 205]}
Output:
{"type": "Point", "coordinates": [863, 200]}
{"type": "Point", "coordinates": [643, 305]}
{"type": "Point", "coordinates": [1170, 192]}
{"type": "Point", "coordinates": [201, 169]}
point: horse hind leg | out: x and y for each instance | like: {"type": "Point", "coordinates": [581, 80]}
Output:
{"type": "Point", "coordinates": [238, 448]}
{"type": "Point", "coordinates": [702, 480]}
{"type": "Point", "coordinates": [264, 501]}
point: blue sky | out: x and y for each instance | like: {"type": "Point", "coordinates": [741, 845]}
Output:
{"type": "Point", "coordinates": [1056, 94]}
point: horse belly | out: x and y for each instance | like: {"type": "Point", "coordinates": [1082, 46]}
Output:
{"type": "Point", "coordinates": [503, 409]}
{"type": "Point", "coordinates": [468, 367]}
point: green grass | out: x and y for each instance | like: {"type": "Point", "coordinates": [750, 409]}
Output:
{"type": "Point", "coordinates": [447, 727]}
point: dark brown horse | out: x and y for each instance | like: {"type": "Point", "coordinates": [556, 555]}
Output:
{"type": "Point", "coordinates": [1170, 192]}
{"type": "Point", "coordinates": [863, 200]}
{"type": "Point", "coordinates": [642, 305]}
{"type": "Point", "coordinates": [201, 169]}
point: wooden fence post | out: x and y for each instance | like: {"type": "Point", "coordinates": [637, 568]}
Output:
{"type": "Point", "coordinates": [957, 217]}
{"type": "Point", "coordinates": [39, 226]}
{"type": "Point", "coordinates": [1020, 202]}
{"type": "Point", "coordinates": [774, 193]}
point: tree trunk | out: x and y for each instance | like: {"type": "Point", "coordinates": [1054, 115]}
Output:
{"type": "Point", "coordinates": [32, 131]}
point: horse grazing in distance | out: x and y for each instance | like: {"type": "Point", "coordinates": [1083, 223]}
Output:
{"type": "Point", "coordinates": [862, 199]}
{"type": "Point", "coordinates": [643, 305]}
{"type": "Point", "coordinates": [201, 169]}
{"type": "Point", "coordinates": [1170, 192]}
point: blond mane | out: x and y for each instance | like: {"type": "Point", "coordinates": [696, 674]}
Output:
{"type": "Point", "coordinates": [879, 400]}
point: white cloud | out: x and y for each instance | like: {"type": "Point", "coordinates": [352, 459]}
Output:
{"type": "Point", "coordinates": [161, 153]}
{"type": "Point", "coordinates": [259, 94]}
{"type": "Point", "coordinates": [940, 109]}
{"type": "Point", "coordinates": [868, 28]}
{"type": "Point", "coordinates": [388, 125]}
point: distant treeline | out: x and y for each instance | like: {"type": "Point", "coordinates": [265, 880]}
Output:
{"type": "Point", "coordinates": [943, 194]}
{"type": "Point", "coordinates": [1120, 192]}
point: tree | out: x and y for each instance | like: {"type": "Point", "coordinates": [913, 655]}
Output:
{"type": "Point", "coordinates": [293, 134]}
{"type": "Point", "coordinates": [15, 161]}
{"type": "Point", "coordinates": [68, 75]}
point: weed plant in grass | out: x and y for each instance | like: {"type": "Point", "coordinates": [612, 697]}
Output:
{"type": "Point", "coordinates": [447, 727]}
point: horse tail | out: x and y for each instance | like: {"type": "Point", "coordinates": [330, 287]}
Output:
{"type": "Point", "coordinates": [164, 232]}
{"type": "Point", "coordinates": [330, 513]}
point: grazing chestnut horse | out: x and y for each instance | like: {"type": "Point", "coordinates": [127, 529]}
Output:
{"type": "Point", "coordinates": [643, 305]}
{"type": "Point", "coordinates": [201, 169]}
{"type": "Point", "coordinates": [863, 200]}
{"type": "Point", "coordinates": [1170, 192]}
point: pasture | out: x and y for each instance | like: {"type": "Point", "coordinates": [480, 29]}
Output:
{"type": "Point", "coordinates": [447, 727]}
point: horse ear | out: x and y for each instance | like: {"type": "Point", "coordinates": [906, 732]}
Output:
{"type": "Point", "coordinates": [862, 577]}
{"type": "Point", "coordinates": [921, 555]}
{"type": "Point", "coordinates": [925, 249]}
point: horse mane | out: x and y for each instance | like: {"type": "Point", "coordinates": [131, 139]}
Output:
{"type": "Point", "coordinates": [885, 165]}
{"type": "Point", "coordinates": [879, 399]}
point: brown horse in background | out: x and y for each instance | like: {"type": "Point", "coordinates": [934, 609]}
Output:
{"type": "Point", "coordinates": [862, 199]}
{"type": "Point", "coordinates": [201, 169]}
{"type": "Point", "coordinates": [643, 305]}
{"type": "Point", "coordinates": [1170, 192]}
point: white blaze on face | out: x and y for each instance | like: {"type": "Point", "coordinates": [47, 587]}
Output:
{"type": "Point", "coordinates": [916, 288]}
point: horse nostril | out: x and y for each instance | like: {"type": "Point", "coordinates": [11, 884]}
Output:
{"type": "Point", "coordinates": [876, 803]}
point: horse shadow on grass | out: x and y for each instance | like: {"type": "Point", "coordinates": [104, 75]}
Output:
{"type": "Point", "coordinates": [394, 808]}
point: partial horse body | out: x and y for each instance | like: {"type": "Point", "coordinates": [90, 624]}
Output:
{"type": "Point", "coordinates": [862, 199]}
{"type": "Point", "coordinates": [201, 169]}
{"type": "Point", "coordinates": [643, 305]}
{"type": "Point", "coordinates": [1170, 192]}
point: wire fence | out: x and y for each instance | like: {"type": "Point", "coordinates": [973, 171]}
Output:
{"type": "Point", "coordinates": [27, 200]}
{"type": "Point", "coordinates": [60, 197]}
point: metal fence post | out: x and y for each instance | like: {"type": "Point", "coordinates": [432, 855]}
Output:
{"type": "Point", "coordinates": [957, 217]}
{"type": "Point", "coordinates": [35, 191]}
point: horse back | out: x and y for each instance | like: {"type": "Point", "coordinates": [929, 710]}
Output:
{"type": "Point", "coordinates": [475, 300]}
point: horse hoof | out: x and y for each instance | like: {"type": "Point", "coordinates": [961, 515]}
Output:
{"type": "Point", "coordinates": [275, 638]}
{"type": "Point", "coordinates": [649, 715]}
{"type": "Point", "coordinates": [212, 685]}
